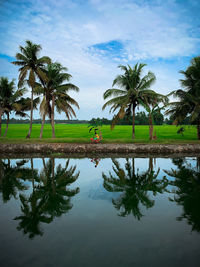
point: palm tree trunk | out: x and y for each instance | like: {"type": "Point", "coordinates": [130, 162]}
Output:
{"type": "Point", "coordinates": [33, 184]}
{"type": "Point", "coordinates": [133, 125]}
{"type": "Point", "coordinates": [44, 165]}
{"type": "Point", "coordinates": [198, 130]}
{"type": "Point", "coordinates": [31, 117]}
{"type": "Point", "coordinates": [0, 121]}
{"type": "Point", "coordinates": [133, 167]}
{"type": "Point", "coordinates": [150, 164]}
{"type": "Point", "coordinates": [150, 127]}
{"type": "Point", "coordinates": [53, 174]}
{"type": "Point", "coordinates": [52, 117]}
{"type": "Point", "coordinates": [43, 121]}
{"type": "Point", "coordinates": [8, 119]}
{"type": "Point", "coordinates": [198, 163]}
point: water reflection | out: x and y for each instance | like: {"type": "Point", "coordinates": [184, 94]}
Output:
{"type": "Point", "coordinates": [33, 214]}
{"type": "Point", "coordinates": [54, 187]}
{"type": "Point", "coordinates": [46, 193]}
{"type": "Point", "coordinates": [12, 178]}
{"type": "Point", "coordinates": [43, 195]}
{"type": "Point", "coordinates": [134, 187]}
{"type": "Point", "coordinates": [187, 190]}
{"type": "Point", "coordinates": [95, 161]}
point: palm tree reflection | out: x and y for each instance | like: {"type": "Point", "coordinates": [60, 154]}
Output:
{"type": "Point", "coordinates": [32, 215]}
{"type": "Point", "coordinates": [134, 187]}
{"type": "Point", "coordinates": [54, 187]}
{"type": "Point", "coordinates": [12, 178]}
{"type": "Point", "coordinates": [50, 197]}
{"type": "Point", "coordinates": [187, 191]}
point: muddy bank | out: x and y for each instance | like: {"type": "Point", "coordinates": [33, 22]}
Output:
{"type": "Point", "coordinates": [100, 149]}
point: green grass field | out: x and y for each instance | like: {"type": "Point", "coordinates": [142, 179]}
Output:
{"type": "Point", "coordinates": [78, 133]}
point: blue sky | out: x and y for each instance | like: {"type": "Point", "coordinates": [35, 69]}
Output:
{"type": "Point", "coordinates": [91, 38]}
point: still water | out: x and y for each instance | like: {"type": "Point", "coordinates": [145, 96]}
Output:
{"type": "Point", "coordinates": [100, 212]}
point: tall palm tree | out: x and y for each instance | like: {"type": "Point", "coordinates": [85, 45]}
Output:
{"type": "Point", "coordinates": [134, 187]}
{"type": "Point", "coordinates": [55, 90]}
{"type": "Point", "coordinates": [132, 92]}
{"type": "Point", "coordinates": [31, 66]}
{"type": "Point", "coordinates": [188, 103]}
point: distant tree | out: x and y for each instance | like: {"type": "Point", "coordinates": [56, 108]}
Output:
{"type": "Point", "coordinates": [31, 66]}
{"type": "Point", "coordinates": [158, 118]}
{"type": "Point", "coordinates": [134, 90]}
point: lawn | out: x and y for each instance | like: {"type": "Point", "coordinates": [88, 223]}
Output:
{"type": "Point", "coordinates": [78, 133]}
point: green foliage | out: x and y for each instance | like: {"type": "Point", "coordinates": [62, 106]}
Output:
{"type": "Point", "coordinates": [188, 103]}
{"type": "Point", "coordinates": [134, 92]}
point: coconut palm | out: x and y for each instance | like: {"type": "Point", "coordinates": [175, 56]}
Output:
{"type": "Point", "coordinates": [11, 100]}
{"type": "Point", "coordinates": [188, 103]}
{"type": "Point", "coordinates": [134, 187]}
{"type": "Point", "coordinates": [132, 93]}
{"type": "Point", "coordinates": [31, 66]}
{"type": "Point", "coordinates": [55, 94]}
{"type": "Point", "coordinates": [187, 191]}
{"type": "Point", "coordinates": [54, 187]}
{"type": "Point", "coordinates": [151, 104]}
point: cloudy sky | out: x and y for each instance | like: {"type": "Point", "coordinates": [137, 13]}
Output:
{"type": "Point", "coordinates": [92, 37]}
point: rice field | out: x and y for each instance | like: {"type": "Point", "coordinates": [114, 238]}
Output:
{"type": "Point", "coordinates": [79, 133]}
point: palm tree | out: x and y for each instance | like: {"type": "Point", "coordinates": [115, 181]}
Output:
{"type": "Point", "coordinates": [55, 91]}
{"type": "Point", "coordinates": [132, 93]}
{"type": "Point", "coordinates": [188, 103]}
{"type": "Point", "coordinates": [134, 187]}
{"type": "Point", "coordinates": [151, 104]}
{"type": "Point", "coordinates": [31, 66]}
{"type": "Point", "coordinates": [187, 191]}
{"type": "Point", "coordinates": [10, 100]}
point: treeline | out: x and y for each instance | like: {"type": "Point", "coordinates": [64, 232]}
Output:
{"type": "Point", "coordinates": [141, 118]}
{"type": "Point", "coordinates": [39, 121]}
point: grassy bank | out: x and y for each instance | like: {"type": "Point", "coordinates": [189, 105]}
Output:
{"type": "Point", "coordinates": [78, 133]}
